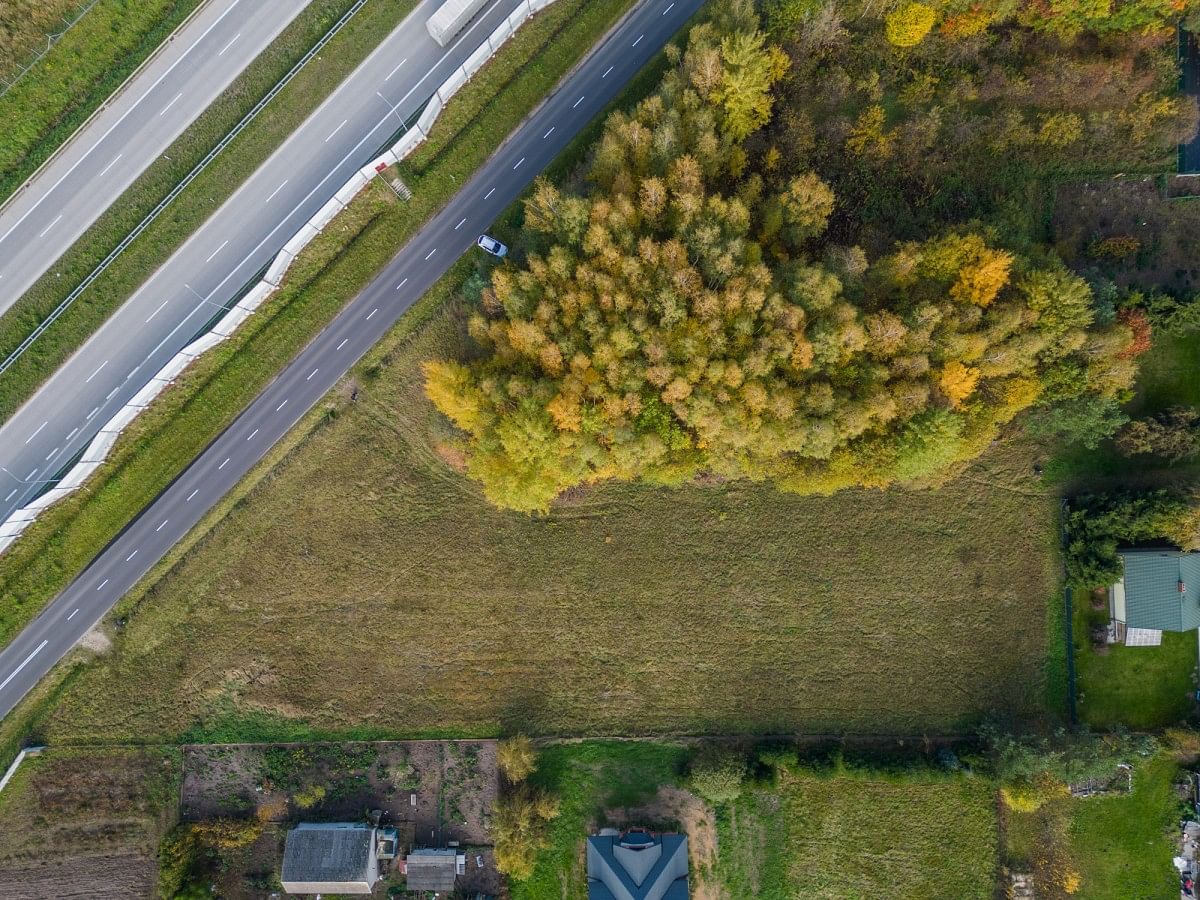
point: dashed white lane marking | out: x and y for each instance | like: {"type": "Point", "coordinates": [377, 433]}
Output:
{"type": "Point", "coordinates": [160, 306]}
{"type": "Point", "coordinates": [639, 40]}
{"type": "Point", "coordinates": [72, 615]}
{"type": "Point", "coordinates": [342, 344]}
{"type": "Point", "coordinates": [276, 191]}
{"type": "Point", "coordinates": [73, 433]}
{"type": "Point", "coordinates": [518, 165]}
{"type": "Point", "coordinates": [101, 585]}
{"type": "Point", "coordinates": [31, 474]}
{"type": "Point", "coordinates": [221, 52]}
{"type": "Point", "coordinates": [281, 406]}
{"type": "Point", "coordinates": [24, 663]}
{"type": "Point", "coordinates": [606, 71]}
{"type": "Point", "coordinates": [336, 130]}
{"type": "Point", "coordinates": [131, 556]}
{"type": "Point", "coordinates": [577, 102]}
{"type": "Point", "coordinates": [113, 392]}
{"type": "Point", "coordinates": [46, 230]}
{"type": "Point", "coordinates": [550, 132]}
{"type": "Point", "coordinates": [192, 494]}
{"type": "Point", "coordinates": [35, 434]}
{"type": "Point", "coordinates": [172, 103]}
{"type": "Point", "coordinates": [162, 526]}
{"type": "Point", "coordinates": [92, 413]}
{"type": "Point", "coordinates": [393, 72]}
{"type": "Point", "coordinates": [460, 224]}
{"type": "Point", "coordinates": [402, 284]}
{"type": "Point", "coordinates": [668, 9]}
{"type": "Point", "coordinates": [311, 374]}
{"type": "Point", "coordinates": [429, 255]}
{"type": "Point", "coordinates": [489, 193]}
{"type": "Point", "coordinates": [250, 436]}
{"type": "Point", "coordinates": [50, 454]}
{"type": "Point", "coordinates": [110, 165]}
{"type": "Point", "coordinates": [215, 252]}
{"type": "Point", "coordinates": [224, 464]}
{"type": "Point", "coordinates": [371, 313]}
{"type": "Point", "coordinates": [10, 494]}
{"type": "Point", "coordinates": [97, 372]}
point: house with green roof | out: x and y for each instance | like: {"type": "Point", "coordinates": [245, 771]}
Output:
{"type": "Point", "coordinates": [1159, 591]}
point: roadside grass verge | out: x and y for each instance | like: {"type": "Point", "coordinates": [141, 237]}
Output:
{"type": "Point", "coordinates": [218, 181]}
{"type": "Point", "coordinates": [1142, 688]}
{"type": "Point", "coordinates": [795, 614]}
{"type": "Point", "coordinates": [211, 393]}
{"type": "Point", "coordinates": [76, 76]}
{"type": "Point", "coordinates": [26, 26]}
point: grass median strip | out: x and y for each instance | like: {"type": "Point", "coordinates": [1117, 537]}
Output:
{"type": "Point", "coordinates": [87, 64]}
{"type": "Point", "coordinates": [212, 187]}
{"type": "Point", "coordinates": [333, 270]}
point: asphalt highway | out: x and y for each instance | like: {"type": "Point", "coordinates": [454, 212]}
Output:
{"type": "Point", "coordinates": [230, 249]}
{"type": "Point", "coordinates": [40, 222]}
{"type": "Point", "coordinates": [302, 384]}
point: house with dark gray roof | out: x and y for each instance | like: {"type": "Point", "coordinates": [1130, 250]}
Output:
{"type": "Point", "coordinates": [637, 865]}
{"type": "Point", "coordinates": [1159, 591]}
{"type": "Point", "coordinates": [330, 858]}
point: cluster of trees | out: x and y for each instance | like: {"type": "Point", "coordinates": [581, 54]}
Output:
{"type": "Point", "coordinates": [521, 818]}
{"type": "Point", "coordinates": [684, 317]}
{"type": "Point", "coordinates": [1097, 524]}
{"type": "Point", "coordinates": [1172, 435]}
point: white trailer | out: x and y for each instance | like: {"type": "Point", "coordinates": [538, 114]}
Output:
{"type": "Point", "coordinates": [451, 17]}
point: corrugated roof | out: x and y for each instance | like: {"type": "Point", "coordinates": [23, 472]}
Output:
{"type": "Point", "coordinates": [1153, 598]}
{"type": "Point", "coordinates": [431, 870]}
{"type": "Point", "coordinates": [335, 852]}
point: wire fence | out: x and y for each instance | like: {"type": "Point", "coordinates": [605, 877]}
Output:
{"type": "Point", "coordinates": [51, 40]}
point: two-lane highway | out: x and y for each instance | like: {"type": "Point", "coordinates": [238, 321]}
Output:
{"type": "Point", "coordinates": [69, 194]}
{"type": "Point", "coordinates": [359, 326]}
{"type": "Point", "coordinates": [229, 250]}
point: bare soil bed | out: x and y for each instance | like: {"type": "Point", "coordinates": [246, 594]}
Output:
{"type": "Point", "coordinates": [442, 790]}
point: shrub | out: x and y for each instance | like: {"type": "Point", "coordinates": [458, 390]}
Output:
{"type": "Point", "coordinates": [719, 775]}
{"type": "Point", "coordinates": [1115, 247]}
{"type": "Point", "coordinates": [907, 25]}
{"type": "Point", "coordinates": [516, 758]}
{"type": "Point", "coordinates": [1028, 796]}
{"type": "Point", "coordinates": [520, 829]}
{"type": "Point", "coordinates": [309, 797]}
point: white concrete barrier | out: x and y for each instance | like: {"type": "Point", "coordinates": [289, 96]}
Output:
{"type": "Point", "coordinates": [97, 451]}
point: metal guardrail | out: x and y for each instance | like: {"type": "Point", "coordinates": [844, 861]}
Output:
{"type": "Point", "coordinates": [212, 154]}
{"type": "Point", "coordinates": [51, 40]}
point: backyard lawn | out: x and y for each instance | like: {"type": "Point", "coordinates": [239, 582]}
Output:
{"type": "Point", "coordinates": [629, 609]}
{"type": "Point", "coordinates": [1142, 688]}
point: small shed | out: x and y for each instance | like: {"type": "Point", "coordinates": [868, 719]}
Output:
{"type": "Point", "coordinates": [330, 858]}
{"type": "Point", "coordinates": [431, 869]}
{"type": "Point", "coordinates": [1159, 591]}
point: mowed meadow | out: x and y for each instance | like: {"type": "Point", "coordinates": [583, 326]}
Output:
{"type": "Point", "coordinates": [365, 583]}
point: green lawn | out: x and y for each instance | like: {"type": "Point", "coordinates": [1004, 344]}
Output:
{"type": "Point", "coordinates": [1142, 688]}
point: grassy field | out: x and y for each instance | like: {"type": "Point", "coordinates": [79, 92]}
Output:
{"type": "Point", "coordinates": [329, 273]}
{"type": "Point", "coordinates": [795, 613]}
{"type": "Point", "coordinates": [1143, 688]}
{"type": "Point", "coordinates": [86, 823]}
{"type": "Point", "coordinates": [76, 76]}
{"type": "Point", "coordinates": [24, 26]}
{"type": "Point", "coordinates": [1120, 847]}
{"type": "Point", "coordinates": [155, 245]}
{"type": "Point", "coordinates": [844, 834]}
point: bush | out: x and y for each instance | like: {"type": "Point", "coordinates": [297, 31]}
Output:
{"type": "Point", "coordinates": [1116, 247]}
{"type": "Point", "coordinates": [1028, 796]}
{"type": "Point", "coordinates": [520, 829]}
{"type": "Point", "coordinates": [719, 776]}
{"type": "Point", "coordinates": [309, 797]}
{"type": "Point", "coordinates": [516, 758]}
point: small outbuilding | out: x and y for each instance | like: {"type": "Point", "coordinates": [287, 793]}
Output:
{"type": "Point", "coordinates": [637, 865]}
{"type": "Point", "coordinates": [330, 858]}
{"type": "Point", "coordinates": [429, 869]}
{"type": "Point", "coordinates": [1159, 591]}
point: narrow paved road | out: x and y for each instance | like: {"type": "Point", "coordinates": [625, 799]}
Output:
{"type": "Point", "coordinates": [230, 249]}
{"type": "Point", "coordinates": [359, 326]}
{"type": "Point", "coordinates": [67, 196]}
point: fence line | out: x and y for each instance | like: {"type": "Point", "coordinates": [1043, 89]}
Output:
{"type": "Point", "coordinates": [97, 451]}
{"type": "Point", "coordinates": [212, 154]}
{"type": "Point", "coordinates": [51, 40]}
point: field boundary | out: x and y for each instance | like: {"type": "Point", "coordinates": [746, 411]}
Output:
{"type": "Point", "coordinates": [103, 105]}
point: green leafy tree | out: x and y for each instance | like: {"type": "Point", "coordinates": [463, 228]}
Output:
{"type": "Point", "coordinates": [750, 68]}
{"type": "Point", "coordinates": [520, 828]}
{"type": "Point", "coordinates": [1173, 435]}
{"type": "Point", "coordinates": [718, 775]}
